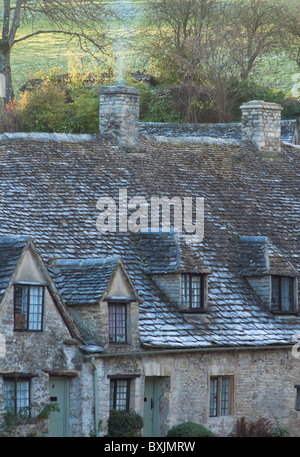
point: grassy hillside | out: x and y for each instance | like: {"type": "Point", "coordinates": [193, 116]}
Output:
{"type": "Point", "coordinates": [43, 52]}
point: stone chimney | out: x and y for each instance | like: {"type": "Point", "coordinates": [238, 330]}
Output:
{"type": "Point", "coordinates": [261, 124]}
{"type": "Point", "coordinates": [119, 114]}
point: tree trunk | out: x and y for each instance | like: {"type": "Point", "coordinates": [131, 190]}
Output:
{"type": "Point", "coordinates": [5, 69]}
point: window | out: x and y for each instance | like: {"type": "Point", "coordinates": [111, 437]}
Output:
{"type": "Point", "coordinates": [17, 396]}
{"type": "Point", "coordinates": [28, 307]}
{"type": "Point", "coordinates": [282, 294]}
{"type": "Point", "coordinates": [220, 396]}
{"type": "Point", "coordinates": [192, 291]}
{"type": "Point", "coordinates": [117, 326]}
{"type": "Point", "coordinates": [119, 394]}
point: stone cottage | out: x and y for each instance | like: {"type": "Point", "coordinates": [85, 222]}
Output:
{"type": "Point", "coordinates": [150, 271]}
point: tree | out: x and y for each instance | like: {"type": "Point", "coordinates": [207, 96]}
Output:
{"type": "Point", "coordinates": [75, 19]}
{"type": "Point", "coordinates": [253, 30]}
{"type": "Point", "coordinates": [289, 20]}
{"type": "Point", "coordinates": [213, 43]}
{"type": "Point", "coordinates": [169, 24]}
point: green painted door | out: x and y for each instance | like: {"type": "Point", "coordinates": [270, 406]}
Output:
{"type": "Point", "coordinates": [151, 407]}
{"type": "Point", "coordinates": [59, 394]}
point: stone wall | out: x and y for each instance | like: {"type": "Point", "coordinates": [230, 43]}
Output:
{"type": "Point", "coordinates": [261, 124]}
{"type": "Point", "coordinates": [119, 114]}
{"type": "Point", "coordinates": [263, 386]}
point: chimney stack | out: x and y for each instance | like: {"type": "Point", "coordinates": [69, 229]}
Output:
{"type": "Point", "coordinates": [119, 114]}
{"type": "Point", "coordinates": [261, 124]}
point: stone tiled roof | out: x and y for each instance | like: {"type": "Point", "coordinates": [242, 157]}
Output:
{"type": "Point", "coordinates": [11, 249]}
{"type": "Point", "coordinates": [49, 191]}
{"type": "Point", "coordinates": [227, 131]}
{"type": "Point", "coordinates": [83, 281]}
{"type": "Point", "coordinates": [258, 256]}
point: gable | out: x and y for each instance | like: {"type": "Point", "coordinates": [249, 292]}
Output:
{"type": "Point", "coordinates": [120, 286]}
{"type": "Point", "coordinates": [29, 270]}
{"type": "Point", "coordinates": [21, 264]}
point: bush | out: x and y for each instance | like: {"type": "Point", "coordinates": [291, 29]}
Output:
{"type": "Point", "coordinates": [291, 108]}
{"type": "Point", "coordinates": [244, 91]}
{"type": "Point", "coordinates": [157, 106]}
{"type": "Point", "coordinates": [259, 428]}
{"type": "Point", "coordinates": [124, 424]}
{"type": "Point", "coordinates": [82, 114]}
{"type": "Point", "coordinates": [189, 429]}
{"type": "Point", "coordinates": [44, 109]}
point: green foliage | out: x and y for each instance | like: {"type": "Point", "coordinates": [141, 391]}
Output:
{"type": "Point", "coordinates": [47, 410]}
{"type": "Point", "coordinates": [12, 422]}
{"type": "Point", "coordinates": [44, 109]}
{"type": "Point", "coordinates": [243, 91]}
{"type": "Point", "coordinates": [291, 108]}
{"type": "Point", "coordinates": [157, 106]}
{"type": "Point", "coordinates": [124, 424]}
{"type": "Point", "coordinates": [189, 429]}
{"type": "Point", "coordinates": [280, 432]}
{"type": "Point", "coordinates": [82, 115]}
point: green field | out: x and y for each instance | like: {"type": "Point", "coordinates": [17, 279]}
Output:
{"type": "Point", "coordinates": [43, 52]}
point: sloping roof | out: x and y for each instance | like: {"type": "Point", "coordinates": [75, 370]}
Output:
{"type": "Point", "coordinates": [258, 256]}
{"type": "Point", "coordinates": [226, 130]}
{"type": "Point", "coordinates": [49, 190]}
{"type": "Point", "coordinates": [83, 281]}
{"type": "Point", "coordinates": [165, 253]}
{"type": "Point", "coordinates": [11, 249]}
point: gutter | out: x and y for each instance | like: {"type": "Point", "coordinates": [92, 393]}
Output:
{"type": "Point", "coordinates": [95, 376]}
{"type": "Point", "coordinates": [184, 351]}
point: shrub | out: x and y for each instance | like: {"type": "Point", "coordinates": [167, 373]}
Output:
{"type": "Point", "coordinates": [291, 108]}
{"type": "Point", "coordinates": [280, 432]}
{"type": "Point", "coordinates": [10, 118]}
{"type": "Point", "coordinates": [244, 91]}
{"type": "Point", "coordinates": [44, 109]}
{"type": "Point", "coordinates": [189, 429]}
{"type": "Point", "coordinates": [259, 428]}
{"type": "Point", "coordinates": [124, 423]}
{"type": "Point", "coordinates": [82, 114]}
{"type": "Point", "coordinates": [158, 106]}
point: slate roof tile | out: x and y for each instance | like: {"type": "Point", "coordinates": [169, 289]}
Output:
{"type": "Point", "coordinates": [49, 191]}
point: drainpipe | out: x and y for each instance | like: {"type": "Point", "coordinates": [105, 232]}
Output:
{"type": "Point", "coordinates": [95, 376]}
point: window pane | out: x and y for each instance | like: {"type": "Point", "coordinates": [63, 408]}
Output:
{"type": "Point", "coordinates": [298, 400]}
{"type": "Point", "coordinates": [185, 290]}
{"type": "Point", "coordinates": [196, 292]}
{"type": "Point", "coordinates": [286, 294]}
{"type": "Point", "coordinates": [22, 395]}
{"type": "Point", "coordinates": [275, 293]}
{"type": "Point", "coordinates": [120, 324]}
{"type": "Point", "coordinates": [224, 396]}
{"type": "Point", "coordinates": [117, 323]}
{"type": "Point", "coordinates": [112, 395]}
{"type": "Point", "coordinates": [119, 394]}
{"type": "Point", "coordinates": [35, 308]}
{"type": "Point", "coordinates": [9, 397]}
{"type": "Point", "coordinates": [213, 397]}
{"type": "Point", "coordinates": [21, 307]}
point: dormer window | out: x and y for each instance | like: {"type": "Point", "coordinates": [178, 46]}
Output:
{"type": "Point", "coordinates": [192, 291]}
{"type": "Point", "coordinates": [28, 307]}
{"type": "Point", "coordinates": [283, 296]}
